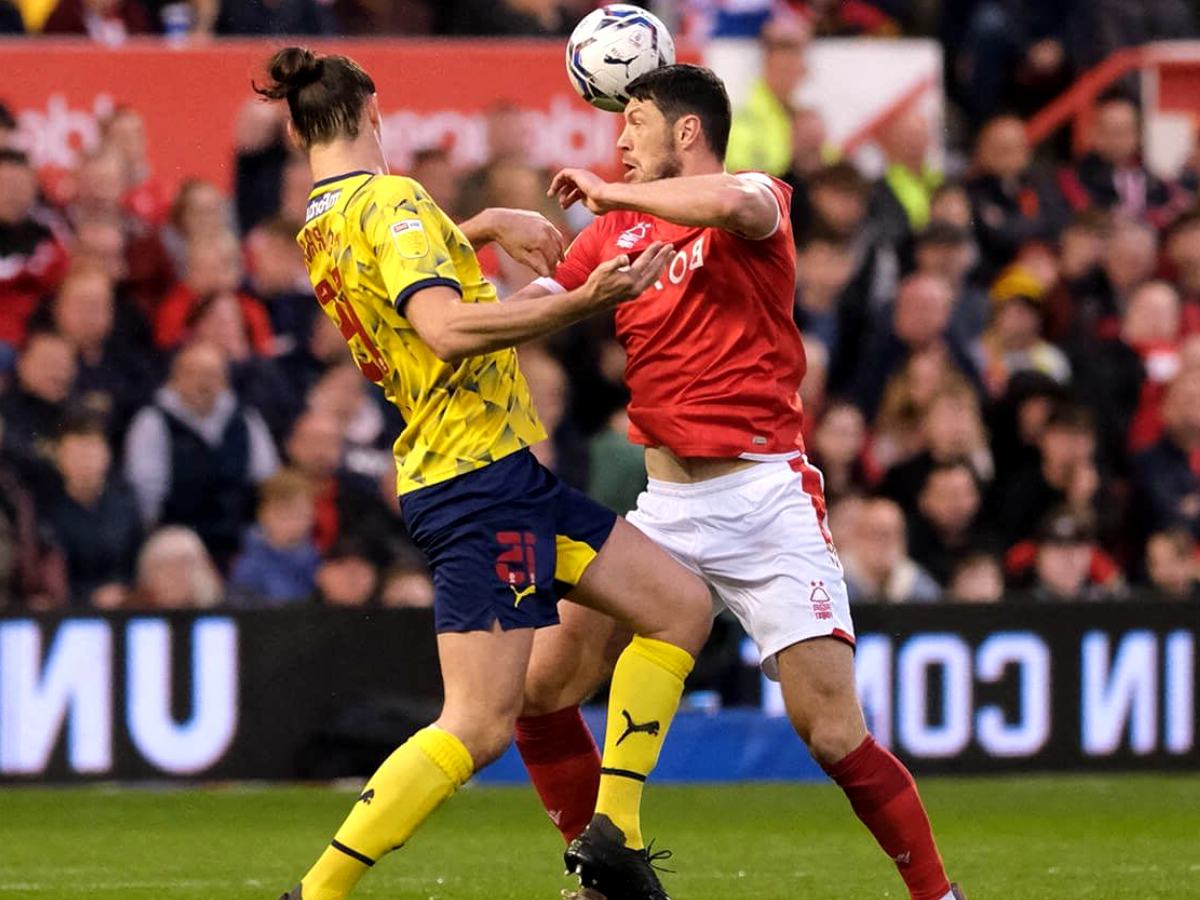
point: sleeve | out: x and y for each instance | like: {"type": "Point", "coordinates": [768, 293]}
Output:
{"type": "Point", "coordinates": [148, 463]}
{"type": "Point", "coordinates": [780, 193]}
{"type": "Point", "coordinates": [581, 258]}
{"type": "Point", "coordinates": [410, 248]}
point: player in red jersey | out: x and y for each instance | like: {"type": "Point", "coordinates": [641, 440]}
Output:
{"type": "Point", "coordinates": [714, 363]}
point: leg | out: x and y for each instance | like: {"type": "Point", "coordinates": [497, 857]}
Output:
{"type": "Point", "coordinates": [817, 677]}
{"type": "Point", "coordinates": [570, 661]}
{"type": "Point", "coordinates": [483, 673]}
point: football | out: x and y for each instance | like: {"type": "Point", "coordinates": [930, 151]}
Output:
{"type": "Point", "coordinates": [610, 47]}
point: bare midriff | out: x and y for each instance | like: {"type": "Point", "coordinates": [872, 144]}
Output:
{"type": "Point", "coordinates": [663, 465]}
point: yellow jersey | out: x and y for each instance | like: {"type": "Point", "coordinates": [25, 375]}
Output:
{"type": "Point", "coordinates": [370, 242]}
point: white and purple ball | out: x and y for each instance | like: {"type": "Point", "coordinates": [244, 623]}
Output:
{"type": "Point", "coordinates": [610, 47]}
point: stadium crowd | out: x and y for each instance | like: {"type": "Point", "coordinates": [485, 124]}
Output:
{"type": "Point", "coordinates": [1004, 366]}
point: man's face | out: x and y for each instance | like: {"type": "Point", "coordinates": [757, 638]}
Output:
{"type": "Point", "coordinates": [316, 445]}
{"type": "Point", "coordinates": [84, 309]}
{"type": "Point", "coordinates": [200, 378]}
{"type": "Point", "coordinates": [1116, 137]}
{"type": "Point", "coordinates": [47, 368]}
{"type": "Point", "coordinates": [950, 500]}
{"type": "Point", "coordinates": [1004, 148]}
{"type": "Point", "coordinates": [648, 147]}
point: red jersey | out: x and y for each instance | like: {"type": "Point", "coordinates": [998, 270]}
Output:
{"type": "Point", "coordinates": [714, 359]}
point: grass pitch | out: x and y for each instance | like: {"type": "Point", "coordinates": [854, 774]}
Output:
{"type": "Point", "coordinates": [1034, 838]}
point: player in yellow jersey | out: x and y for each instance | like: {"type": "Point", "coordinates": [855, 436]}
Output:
{"type": "Point", "coordinates": [502, 534]}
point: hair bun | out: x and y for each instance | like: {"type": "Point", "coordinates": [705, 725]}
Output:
{"type": "Point", "coordinates": [294, 68]}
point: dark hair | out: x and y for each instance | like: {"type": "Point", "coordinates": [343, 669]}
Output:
{"type": "Point", "coordinates": [325, 94]}
{"type": "Point", "coordinates": [954, 464]}
{"type": "Point", "coordinates": [1071, 416]}
{"type": "Point", "coordinates": [81, 423]}
{"type": "Point", "coordinates": [841, 176]}
{"type": "Point", "coordinates": [684, 89]}
{"type": "Point", "coordinates": [7, 120]}
{"type": "Point", "coordinates": [1118, 95]}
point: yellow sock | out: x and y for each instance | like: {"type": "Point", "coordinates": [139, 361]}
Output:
{"type": "Point", "coordinates": [646, 686]}
{"type": "Point", "coordinates": [413, 782]}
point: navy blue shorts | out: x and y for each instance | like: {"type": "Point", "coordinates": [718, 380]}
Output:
{"type": "Point", "coordinates": [504, 543]}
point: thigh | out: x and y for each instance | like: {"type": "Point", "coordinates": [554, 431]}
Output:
{"type": "Point", "coordinates": [646, 590]}
{"type": "Point", "coordinates": [483, 673]}
{"type": "Point", "coordinates": [774, 566]}
{"type": "Point", "coordinates": [572, 659]}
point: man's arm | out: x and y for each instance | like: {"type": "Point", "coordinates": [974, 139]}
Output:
{"type": "Point", "coordinates": [742, 204]}
{"type": "Point", "coordinates": [454, 330]}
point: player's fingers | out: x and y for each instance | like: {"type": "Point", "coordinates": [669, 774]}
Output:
{"type": "Point", "coordinates": [558, 242]}
{"type": "Point", "coordinates": [539, 261]}
{"type": "Point", "coordinates": [611, 265]}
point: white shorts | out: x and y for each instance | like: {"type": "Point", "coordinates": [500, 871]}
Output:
{"type": "Point", "coordinates": [758, 538]}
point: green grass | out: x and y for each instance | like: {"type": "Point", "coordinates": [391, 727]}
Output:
{"type": "Point", "coordinates": [1033, 838]}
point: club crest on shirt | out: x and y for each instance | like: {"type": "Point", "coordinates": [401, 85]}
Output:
{"type": "Point", "coordinates": [630, 236]}
{"type": "Point", "coordinates": [409, 236]}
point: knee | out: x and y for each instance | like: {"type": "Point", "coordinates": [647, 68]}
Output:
{"type": "Point", "coordinates": [830, 738]}
{"type": "Point", "coordinates": [547, 690]}
{"type": "Point", "coordinates": [486, 737]}
{"type": "Point", "coordinates": [690, 620]}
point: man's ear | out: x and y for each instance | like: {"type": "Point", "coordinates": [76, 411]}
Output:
{"type": "Point", "coordinates": [373, 112]}
{"type": "Point", "coordinates": [293, 136]}
{"type": "Point", "coordinates": [688, 131]}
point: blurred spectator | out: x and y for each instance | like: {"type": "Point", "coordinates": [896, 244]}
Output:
{"type": "Point", "coordinates": [214, 266]}
{"type": "Point", "coordinates": [1010, 206]}
{"type": "Point", "coordinates": [33, 260]}
{"type": "Point", "coordinates": [563, 454]}
{"type": "Point", "coordinates": [369, 427]}
{"type": "Point", "coordinates": [1013, 341]}
{"type": "Point", "coordinates": [124, 132]}
{"type": "Point", "coordinates": [33, 572]}
{"type": "Point", "coordinates": [837, 447]}
{"type": "Point", "coordinates": [432, 169]}
{"type": "Point", "coordinates": [977, 578]}
{"type": "Point", "coordinates": [274, 17]}
{"type": "Point", "coordinates": [1102, 27]}
{"type": "Point", "coordinates": [194, 454]}
{"type": "Point", "coordinates": [1017, 420]}
{"type": "Point", "coordinates": [946, 526]}
{"type": "Point", "coordinates": [1082, 245]}
{"type": "Point", "coordinates": [407, 585]}
{"type": "Point", "coordinates": [33, 407]}
{"type": "Point", "coordinates": [760, 138]}
{"type": "Point", "coordinates": [616, 467]}
{"type": "Point", "coordinates": [824, 267]}
{"type": "Point", "coordinates": [900, 202]}
{"type": "Point", "coordinates": [1166, 478]}
{"type": "Point", "coordinates": [278, 562]}
{"type": "Point", "coordinates": [346, 505]}
{"type": "Point", "coordinates": [899, 427]}
{"type": "Point", "coordinates": [810, 152]}
{"type": "Point", "coordinates": [107, 22]}
{"type": "Point", "coordinates": [1111, 175]}
{"type": "Point", "coordinates": [851, 18]}
{"type": "Point", "coordinates": [949, 430]}
{"type": "Point", "coordinates": [347, 576]}
{"type": "Point", "coordinates": [1125, 379]}
{"type": "Point", "coordinates": [1171, 564]}
{"type": "Point", "coordinates": [280, 281]}
{"type": "Point", "coordinates": [1067, 564]}
{"type": "Point", "coordinates": [875, 556]}
{"type": "Point", "coordinates": [174, 571]}
{"type": "Point", "coordinates": [376, 17]}
{"type": "Point", "coordinates": [200, 209]}
{"type": "Point", "coordinates": [94, 517]}
{"type": "Point", "coordinates": [917, 325]}
{"type": "Point", "coordinates": [113, 379]}
{"type": "Point", "coordinates": [10, 22]}
{"type": "Point", "coordinates": [505, 17]}
{"type": "Point", "coordinates": [1064, 474]}
{"type": "Point", "coordinates": [262, 152]}
{"type": "Point", "coordinates": [947, 251]}
{"type": "Point", "coordinates": [1181, 247]}
{"type": "Point", "coordinates": [1000, 49]}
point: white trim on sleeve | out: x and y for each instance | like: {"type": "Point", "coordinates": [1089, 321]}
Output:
{"type": "Point", "coordinates": [763, 181]}
{"type": "Point", "coordinates": [550, 284]}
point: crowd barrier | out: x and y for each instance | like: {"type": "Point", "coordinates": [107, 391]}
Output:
{"type": "Point", "coordinates": [325, 693]}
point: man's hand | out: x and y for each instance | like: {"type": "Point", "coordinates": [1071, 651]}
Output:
{"type": "Point", "coordinates": [573, 185]}
{"type": "Point", "coordinates": [528, 237]}
{"type": "Point", "coordinates": [617, 280]}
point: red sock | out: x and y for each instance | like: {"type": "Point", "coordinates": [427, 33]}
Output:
{"type": "Point", "coordinates": [883, 795]}
{"type": "Point", "coordinates": [564, 766]}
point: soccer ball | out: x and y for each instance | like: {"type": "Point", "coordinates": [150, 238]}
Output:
{"type": "Point", "coordinates": [610, 47]}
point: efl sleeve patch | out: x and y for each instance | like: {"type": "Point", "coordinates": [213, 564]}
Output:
{"type": "Point", "coordinates": [410, 238]}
